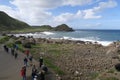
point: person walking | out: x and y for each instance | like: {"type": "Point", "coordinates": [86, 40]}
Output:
{"type": "Point", "coordinates": [6, 48]}
{"type": "Point", "coordinates": [30, 59]}
{"type": "Point", "coordinates": [42, 75]}
{"type": "Point", "coordinates": [25, 61]}
{"type": "Point", "coordinates": [34, 72]}
{"type": "Point", "coordinates": [23, 73]}
{"type": "Point", "coordinates": [16, 55]}
{"type": "Point", "coordinates": [27, 52]}
{"type": "Point", "coordinates": [40, 62]}
{"type": "Point", "coordinates": [12, 51]}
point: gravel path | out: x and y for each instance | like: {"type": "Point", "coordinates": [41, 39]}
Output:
{"type": "Point", "coordinates": [10, 67]}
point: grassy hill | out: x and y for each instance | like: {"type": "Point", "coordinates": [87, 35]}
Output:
{"type": "Point", "coordinates": [8, 23]}
{"type": "Point", "coordinates": [63, 27]}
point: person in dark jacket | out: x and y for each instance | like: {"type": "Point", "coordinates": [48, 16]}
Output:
{"type": "Point", "coordinates": [25, 61]}
{"type": "Point", "coordinates": [16, 54]}
{"type": "Point", "coordinates": [40, 62]}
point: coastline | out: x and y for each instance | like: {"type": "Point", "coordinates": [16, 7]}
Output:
{"type": "Point", "coordinates": [46, 34]}
{"type": "Point", "coordinates": [71, 59]}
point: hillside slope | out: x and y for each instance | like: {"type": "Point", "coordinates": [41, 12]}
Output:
{"type": "Point", "coordinates": [9, 23]}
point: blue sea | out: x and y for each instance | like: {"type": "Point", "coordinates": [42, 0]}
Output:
{"type": "Point", "coordinates": [104, 37]}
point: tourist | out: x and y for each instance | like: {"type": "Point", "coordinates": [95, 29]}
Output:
{"type": "Point", "coordinates": [27, 52]}
{"type": "Point", "coordinates": [40, 62]}
{"type": "Point", "coordinates": [44, 68]}
{"type": "Point", "coordinates": [25, 61]}
{"type": "Point", "coordinates": [16, 54]}
{"type": "Point", "coordinates": [23, 73]}
{"type": "Point", "coordinates": [42, 75]}
{"type": "Point", "coordinates": [6, 48]}
{"type": "Point", "coordinates": [30, 59]}
{"type": "Point", "coordinates": [12, 51]}
{"type": "Point", "coordinates": [34, 72]}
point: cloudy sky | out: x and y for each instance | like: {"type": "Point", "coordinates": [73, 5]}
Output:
{"type": "Point", "coordinates": [78, 14]}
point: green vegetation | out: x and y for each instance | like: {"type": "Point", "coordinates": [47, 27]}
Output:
{"type": "Point", "coordinates": [8, 23]}
{"type": "Point", "coordinates": [4, 39]}
{"type": "Point", "coordinates": [32, 29]}
{"type": "Point", "coordinates": [63, 27]}
{"type": "Point", "coordinates": [49, 63]}
{"type": "Point", "coordinates": [111, 70]}
{"type": "Point", "coordinates": [109, 78]}
{"type": "Point", "coordinates": [21, 48]}
{"type": "Point", "coordinates": [51, 49]}
{"type": "Point", "coordinates": [94, 75]}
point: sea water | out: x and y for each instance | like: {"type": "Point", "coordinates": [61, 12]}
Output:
{"type": "Point", "coordinates": [104, 37]}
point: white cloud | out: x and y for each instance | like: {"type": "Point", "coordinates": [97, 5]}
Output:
{"type": "Point", "coordinates": [91, 13]}
{"type": "Point", "coordinates": [85, 14]}
{"type": "Point", "coordinates": [45, 4]}
{"type": "Point", "coordinates": [77, 2]}
{"type": "Point", "coordinates": [35, 12]}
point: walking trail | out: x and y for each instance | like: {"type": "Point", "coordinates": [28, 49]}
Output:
{"type": "Point", "coordinates": [10, 67]}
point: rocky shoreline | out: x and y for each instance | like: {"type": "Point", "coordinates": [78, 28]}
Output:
{"type": "Point", "coordinates": [78, 59]}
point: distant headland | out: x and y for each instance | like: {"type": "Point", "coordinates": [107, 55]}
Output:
{"type": "Point", "coordinates": [8, 23]}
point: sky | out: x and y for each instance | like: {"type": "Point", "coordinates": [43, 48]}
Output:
{"type": "Point", "coordinates": [78, 14]}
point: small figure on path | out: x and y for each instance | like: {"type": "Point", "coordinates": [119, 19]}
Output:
{"type": "Point", "coordinates": [12, 51]}
{"type": "Point", "coordinates": [30, 59]}
{"type": "Point", "coordinates": [40, 62]}
{"type": "Point", "coordinates": [27, 53]}
{"type": "Point", "coordinates": [16, 54]}
{"type": "Point", "coordinates": [34, 72]}
{"type": "Point", "coordinates": [25, 61]}
{"type": "Point", "coordinates": [44, 68]}
{"type": "Point", "coordinates": [23, 73]}
{"type": "Point", "coordinates": [6, 48]}
{"type": "Point", "coordinates": [42, 75]}
{"type": "Point", "coordinates": [15, 46]}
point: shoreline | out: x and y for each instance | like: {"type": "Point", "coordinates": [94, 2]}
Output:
{"type": "Point", "coordinates": [47, 33]}
{"type": "Point", "coordinates": [72, 59]}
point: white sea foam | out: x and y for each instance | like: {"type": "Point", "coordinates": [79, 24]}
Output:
{"type": "Point", "coordinates": [90, 39]}
{"type": "Point", "coordinates": [105, 43]}
{"type": "Point", "coordinates": [47, 33]}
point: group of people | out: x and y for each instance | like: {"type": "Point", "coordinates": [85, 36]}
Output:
{"type": "Point", "coordinates": [36, 73]}
{"type": "Point", "coordinates": [12, 50]}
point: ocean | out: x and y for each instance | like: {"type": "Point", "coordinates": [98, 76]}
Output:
{"type": "Point", "coordinates": [104, 37]}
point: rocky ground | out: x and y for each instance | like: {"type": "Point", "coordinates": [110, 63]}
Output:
{"type": "Point", "coordinates": [85, 61]}
{"type": "Point", "coordinates": [77, 59]}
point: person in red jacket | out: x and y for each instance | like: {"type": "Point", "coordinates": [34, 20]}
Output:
{"type": "Point", "coordinates": [27, 52]}
{"type": "Point", "coordinates": [23, 73]}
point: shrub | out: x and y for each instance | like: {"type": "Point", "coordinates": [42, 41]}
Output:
{"type": "Point", "coordinates": [4, 39]}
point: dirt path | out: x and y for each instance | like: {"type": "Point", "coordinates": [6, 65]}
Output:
{"type": "Point", "coordinates": [10, 67]}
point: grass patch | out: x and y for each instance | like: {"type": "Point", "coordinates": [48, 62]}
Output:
{"type": "Point", "coordinates": [49, 63]}
{"type": "Point", "coordinates": [21, 48]}
{"type": "Point", "coordinates": [4, 39]}
{"type": "Point", "coordinates": [111, 71]}
{"type": "Point", "coordinates": [109, 78]}
{"type": "Point", "coordinates": [10, 44]}
{"type": "Point", "coordinates": [94, 75]}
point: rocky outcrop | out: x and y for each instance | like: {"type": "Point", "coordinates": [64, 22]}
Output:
{"type": "Point", "coordinates": [63, 27]}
